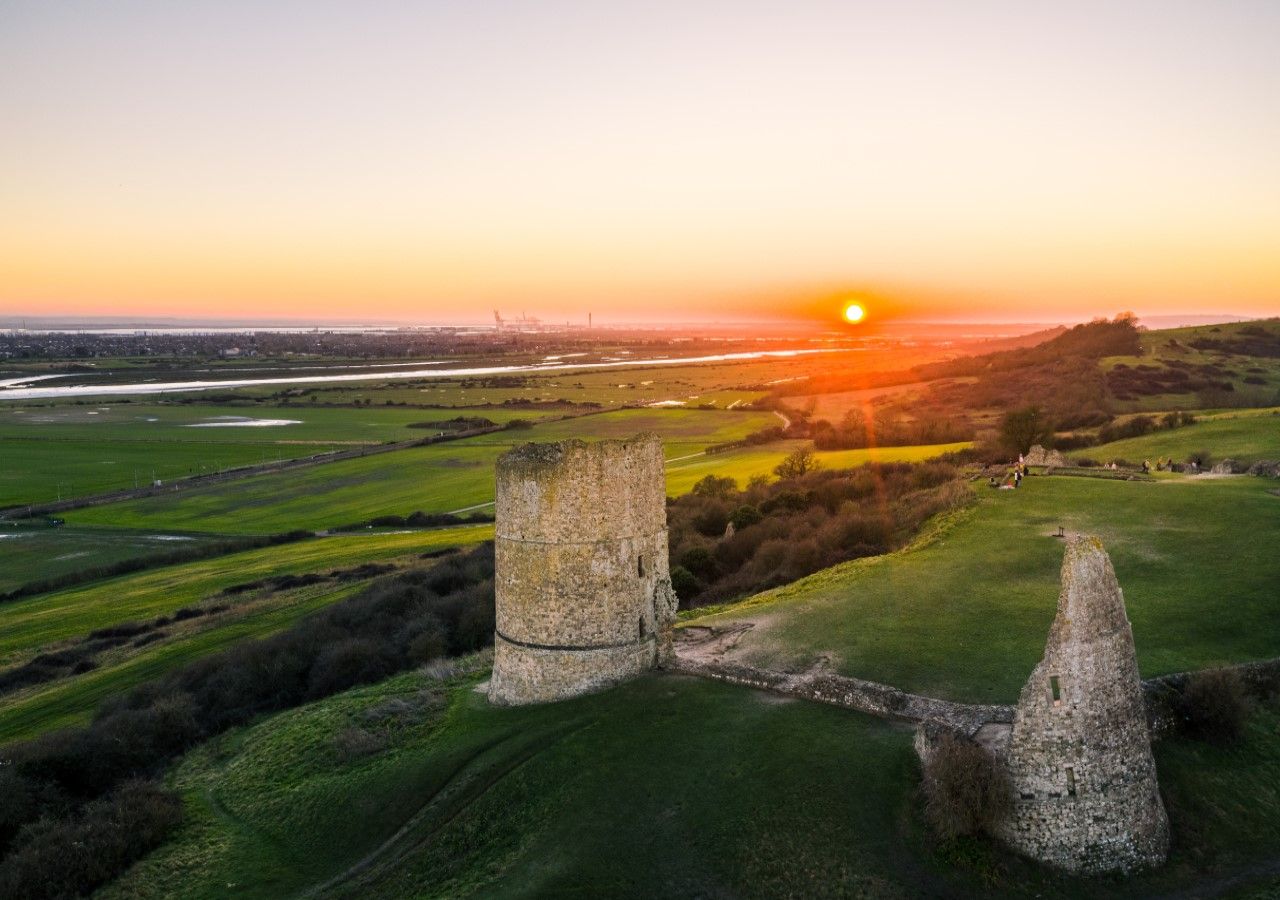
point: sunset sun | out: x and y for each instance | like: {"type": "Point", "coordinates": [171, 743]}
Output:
{"type": "Point", "coordinates": [853, 313]}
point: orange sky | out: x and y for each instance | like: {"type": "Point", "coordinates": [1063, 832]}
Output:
{"type": "Point", "coordinates": [639, 160]}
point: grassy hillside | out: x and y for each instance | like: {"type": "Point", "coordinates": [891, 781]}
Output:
{"type": "Point", "coordinates": [966, 615]}
{"type": "Point", "coordinates": [1246, 436]}
{"type": "Point", "coordinates": [664, 787]}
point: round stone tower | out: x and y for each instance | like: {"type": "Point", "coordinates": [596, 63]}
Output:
{"type": "Point", "coordinates": [584, 596]}
{"type": "Point", "coordinates": [1086, 797]}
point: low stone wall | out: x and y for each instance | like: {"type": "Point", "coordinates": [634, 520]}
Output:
{"type": "Point", "coordinates": [851, 693]}
{"type": "Point", "coordinates": [889, 702]}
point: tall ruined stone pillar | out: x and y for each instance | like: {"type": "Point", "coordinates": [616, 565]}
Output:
{"type": "Point", "coordinates": [584, 596]}
{"type": "Point", "coordinates": [1079, 756]}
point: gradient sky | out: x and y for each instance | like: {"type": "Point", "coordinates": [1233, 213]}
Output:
{"type": "Point", "coordinates": [429, 161]}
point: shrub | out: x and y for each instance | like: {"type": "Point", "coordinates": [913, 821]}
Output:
{"type": "Point", "coordinates": [715, 486]}
{"type": "Point", "coordinates": [70, 857]}
{"type": "Point", "coordinates": [1215, 706]}
{"type": "Point", "coordinates": [965, 789]}
{"type": "Point", "coordinates": [798, 463]}
{"type": "Point", "coordinates": [356, 743]}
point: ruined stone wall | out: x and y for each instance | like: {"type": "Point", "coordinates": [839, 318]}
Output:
{"type": "Point", "coordinates": [584, 596]}
{"type": "Point", "coordinates": [1079, 753]}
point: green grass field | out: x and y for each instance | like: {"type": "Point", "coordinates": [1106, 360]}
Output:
{"type": "Point", "coordinates": [1242, 437]}
{"type": "Point", "coordinates": [34, 552]}
{"type": "Point", "coordinates": [440, 478]}
{"type": "Point", "coordinates": [666, 786]}
{"type": "Point", "coordinates": [966, 615]}
{"type": "Point", "coordinates": [40, 623]}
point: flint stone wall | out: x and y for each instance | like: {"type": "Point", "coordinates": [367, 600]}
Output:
{"type": "Point", "coordinates": [1079, 753]}
{"type": "Point", "coordinates": [584, 596]}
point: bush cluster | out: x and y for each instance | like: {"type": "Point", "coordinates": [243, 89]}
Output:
{"type": "Point", "coordinates": [790, 528]}
{"type": "Point", "coordinates": [966, 790]}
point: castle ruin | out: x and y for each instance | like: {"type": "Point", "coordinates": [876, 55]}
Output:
{"type": "Point", "coordinates": [1079, 753]}
{"type": "Point", "coordinates": [584, 597]}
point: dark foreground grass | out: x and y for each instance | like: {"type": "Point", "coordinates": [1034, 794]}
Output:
{"type": "Point", "coordinates": [665, 787]}
{"type": "Point", "coordinates": [966, 615]}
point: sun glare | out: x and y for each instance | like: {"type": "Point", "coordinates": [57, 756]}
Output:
{"type": "Point", "coordinates": [854, 313]}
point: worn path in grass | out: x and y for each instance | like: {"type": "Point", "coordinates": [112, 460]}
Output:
{"type": "Point", "coordinates": [966, 615]}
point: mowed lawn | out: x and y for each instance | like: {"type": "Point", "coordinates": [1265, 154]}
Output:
{"type": "Point", "coordinates": [966, 615]}
{"type": "Point", "coordinates": [38, 623]}
{"type": "Point", "coordinates": [439, 478]}
{"type": "Point", "coordinates": [1244, 438]}
{"type": "Point", "coordinates": [662, 787]}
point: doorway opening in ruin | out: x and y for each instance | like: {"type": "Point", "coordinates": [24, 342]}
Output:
{"type": "Point", "coordinates": [640, 565]}
{"type": "Point", "coordinates": [642, 628]}
{"type": "Point", "coordinates": [1055, 689]}
{"type": "Point", "coordinates": [1071, 781]}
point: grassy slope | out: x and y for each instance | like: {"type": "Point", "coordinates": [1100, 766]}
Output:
{"type": "Point", "coordinates": [966, 615]}
{"type": "Point", "coordinates": [1244, 437]}
{"type": "Point", "coordinates": [663, 787]}
{"type": "Point", "coordinates": [33, 624]}
{"type": "Point", "coordinates": [440, 478]}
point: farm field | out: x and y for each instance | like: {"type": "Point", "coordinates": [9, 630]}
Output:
{"type": "Point", "coordinates": [35, 552]}
{"type": "Point", "coordinates": [39, 624]}
{"type": "Point", "coordinates": [1242, 437]}
{"type": "Point", "coordinates": [66, 451]}
{"type": "Point", "coordinates": [747, 462]}
{"type": "Point", "coordinates": [37, 470]}
{"type": "Point", "coordinates": [441, 478]}
{"type": "Point", "coordinates": [228, 423]}
{"type": "Point", "coordinates": [764, 798]}
{"type": "Point", "coordinates": [1194, 557]}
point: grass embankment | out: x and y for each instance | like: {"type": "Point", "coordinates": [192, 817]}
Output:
{"type": "Point", "coordinates": [966, 615]}
{"type": "Point", "coordinates": [38, 624]}
{"type": "Point", "coordinates": [438, 478]}
{"type": "Point", "coordinates": [663, 787]}
{"type": "Point", "coordinates": [1243, 436]}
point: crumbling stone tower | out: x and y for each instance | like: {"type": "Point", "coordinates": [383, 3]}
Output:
{"type": "Point", "coordinates": [584, 597]}
{"type": "Point", "coordinates": [1079, 755]}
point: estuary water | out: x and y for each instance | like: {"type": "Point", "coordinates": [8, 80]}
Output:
{"type": "Point", "coordinates": [17, 389]}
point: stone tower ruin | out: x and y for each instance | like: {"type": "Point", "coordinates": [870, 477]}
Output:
{"type": "Point", "coordinates": [584, 596]}
{"type": "Point", "coordinates": [1079, 755]}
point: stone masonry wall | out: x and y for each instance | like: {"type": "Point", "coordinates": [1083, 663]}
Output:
{"type": "Point", "coordinates": [1079, 754]}
{"type": "Point", "coordinates": [584, 596]}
